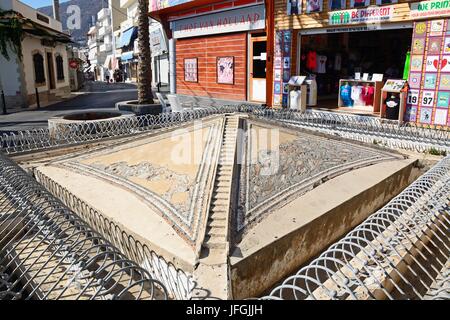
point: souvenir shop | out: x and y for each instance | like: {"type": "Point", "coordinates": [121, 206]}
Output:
{"type": "Point", "coordinates": [348, 50]}
{"type": "Point", "coordinates": [219, 49]}
{"type": "Point", "coordinates": [349, 67]}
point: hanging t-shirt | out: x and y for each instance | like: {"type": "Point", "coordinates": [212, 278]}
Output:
{"type": "Point", "coordinates": [321, 64]}
{"type": "Point", "coordinates": [368, 95]}
{"type": "Point", "coordinates": [407, 66]}
{"type": "Point", "coordinates": [336, 4]}
{"type": "Point", "coordinates": [311, 60]}
{"type": "Point", "coordinates": [357, 95]}
{"type": "Point", "coordinates": [337, 62]}
{"type": "Point", "coordinates": [346, 92]}
{"type": "Point", "coordinates": [359, 3]}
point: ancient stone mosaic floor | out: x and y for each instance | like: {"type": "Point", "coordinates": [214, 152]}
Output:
{"type": "Point", "coordinates": [162, 187]}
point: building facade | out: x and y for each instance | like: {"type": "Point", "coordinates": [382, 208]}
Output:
{"type": "Point", "coordinates": [127, 47]}
{"type": "Point", "coordinates": [357, 44]}
{"type": "Point", "coordinates": [43, 67]}
{"type": "Point", "coordinates": [218, 48]}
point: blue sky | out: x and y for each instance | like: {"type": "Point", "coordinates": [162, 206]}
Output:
{"type": "Point", "coordinates": [40, 3]}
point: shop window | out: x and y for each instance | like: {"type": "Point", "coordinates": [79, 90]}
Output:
{"type": "Point", "coordinates": [59, 68]}
{"type": "Point", "coordinates": [39, 73]}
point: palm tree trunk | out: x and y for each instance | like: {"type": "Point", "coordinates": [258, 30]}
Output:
{"type": "Point", "coordinates": [145, 94]}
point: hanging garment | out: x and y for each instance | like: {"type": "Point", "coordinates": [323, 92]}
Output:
{"type": "Point", "coordinates": [359, 3]}
{"type": "Point", "coordinates": [321, 64]}
{"type": "Point", "coordinates": [407, 66]}
{"type": "Point", "coordinates": [337, 62]}
{"type": "Point", "coordinates": [311, 60]}
{"type": "Point", "coordinates": [336, 4]}
{"type": "Point", "coordinates": [357, 95]}
{"type": "Point", "coordinates": [368, 95]}
{"type": "Point", "coordinates": [346, 92]}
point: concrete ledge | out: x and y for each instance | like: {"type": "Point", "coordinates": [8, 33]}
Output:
{"type": "Point", "coordinates": [139, 109]}
{"type": "Point", "coordinates": [279, 245]}
{"type": "Point", "coordinates": [211, 102]}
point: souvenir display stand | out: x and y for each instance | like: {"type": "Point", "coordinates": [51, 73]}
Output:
{"type": "Point", "coordinates": [393, 100]}
{"type": "Point", "coordinates": [298, 94]}
{"type": "Point", "coordinates": [374, 106]}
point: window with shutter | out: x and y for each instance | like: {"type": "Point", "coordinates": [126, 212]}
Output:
{"type": "Point", "coordinates": [59, 68]}
{"type": "Point", "coordinates": [39, 73]}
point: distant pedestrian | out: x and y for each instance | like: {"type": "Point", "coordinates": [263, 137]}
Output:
{"type": "Point", "coordinates": [107, 76]}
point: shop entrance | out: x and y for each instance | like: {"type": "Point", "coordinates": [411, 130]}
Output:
{"type": "Point", "coordinates": [257, 78]}
{"type": "Point", "coordinates": [335, 57]}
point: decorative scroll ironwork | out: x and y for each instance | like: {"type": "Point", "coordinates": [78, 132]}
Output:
{"type": "Point", "coordinates": [48, 252]}
{"type": "Point", "coordinates": [400, 252]}
{"type": "Point", "coordinates": [178, 284]}
{"type": "Point", "coordinates": [362, 128]}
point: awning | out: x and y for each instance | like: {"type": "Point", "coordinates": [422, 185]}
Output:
{"type": "Point", "coordinates": [128, 36]}
{"type": "Point", "coordinates": [126, 56]}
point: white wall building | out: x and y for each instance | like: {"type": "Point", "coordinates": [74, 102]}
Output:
{"type": "Point", "coordinates": [44, 63]}
{"type": "Point", "coordinates": [127, 46]}
{"type": "Point", "coordinates": [108, 21]}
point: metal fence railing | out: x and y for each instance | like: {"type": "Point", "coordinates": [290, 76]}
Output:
{"type": "Point", "coordinates": [400, 252]}
{"type": "Point", "coordinates": [369, 129]}
{"type": "Point", "coordinates": [48, 252]}
{"type": "Point", "coordinates": [362, 128]}
{"type": "Point", "coordinates": [179, 284]}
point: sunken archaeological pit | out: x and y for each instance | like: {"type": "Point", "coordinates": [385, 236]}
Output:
{"type": "Point", "coordinates": [223, 207]}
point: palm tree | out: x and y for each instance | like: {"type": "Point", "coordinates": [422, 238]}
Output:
{"type": "Point", "coordinates": [145, 94]}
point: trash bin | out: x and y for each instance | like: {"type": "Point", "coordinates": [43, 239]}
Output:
{"type": "Point", "coordinates": [312, 93]}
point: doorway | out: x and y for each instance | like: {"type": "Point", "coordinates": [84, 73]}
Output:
{"type": "Point", "coordinates": [257, 77]}
{"type": "Point", "coordinates": [342, 55]}
{"type": "Point", "coordinates": [51, 70]}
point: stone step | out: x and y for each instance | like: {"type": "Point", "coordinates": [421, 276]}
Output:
{"type": "Point", "coordinates": [218, 216]}
{"type": "Point", "coordinates": [214, 256]}
{"type": "Point", "coordinates": [220, 189]}
{"type": "Point", "coordinates": [216, 231]}
{"type": "Point", "coordinates": [223, 184]}
{"type": "Point", "coordinates": [214, 242]}
{"type": "Point", "coordinates": [220, 202]}
{"type": "Point", "coordinates": [220, 195]}
{"type": "Point", "coordinates": [218, 223]}
{"type": "Point", "coordinates": [223, 178]}
{"type": "Point", "coordinates": [219, 208]}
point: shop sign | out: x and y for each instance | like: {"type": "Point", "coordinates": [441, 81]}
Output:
{"type": "Point", "coordinates": [157, 41]}
{"type": "Point", "coordinates": [426, 9]}
{"type": "Point", "coordinates": [365, 15]}
{"type": "Point", "coordinates": [242, 19]}
{"type": "Point", "coordinates": [73, 64]}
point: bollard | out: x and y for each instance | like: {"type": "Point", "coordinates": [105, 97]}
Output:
{"type": "Point", "coordinates": [4, 102]}
{"type": "Point", "coordinates": [37, 99]}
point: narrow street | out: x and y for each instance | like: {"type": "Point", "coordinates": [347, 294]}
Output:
{"type": "Point", "coordinates": [95, 95]}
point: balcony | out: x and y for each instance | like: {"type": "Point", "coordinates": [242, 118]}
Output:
{"type": "Point", "coordinates": [103, 31]}
{"type": "Point", "coordinates": [92, 43]}
{"type": "Point", "coordinates": [106, 47]}
{"type": "Point", "coordinates": [102, 14]}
